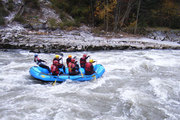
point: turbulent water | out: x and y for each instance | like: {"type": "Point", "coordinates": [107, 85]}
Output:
{"type": "Point", "coordinates": [137, 85]}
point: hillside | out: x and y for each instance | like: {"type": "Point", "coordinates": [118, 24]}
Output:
{"type": "Point", "coordinates": [31, 14]}
{"type": "Point", "coordinates": [108, 15]}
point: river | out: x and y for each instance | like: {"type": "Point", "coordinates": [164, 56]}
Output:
{"type": "Point", "coordinates": [137, 85]}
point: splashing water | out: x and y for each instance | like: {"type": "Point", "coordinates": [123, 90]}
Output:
{"type": "Point", "coordinates": [136, 85]}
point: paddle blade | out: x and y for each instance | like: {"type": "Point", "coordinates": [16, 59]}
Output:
{"type": "Point", "coordinates": [54, 83]}
{"type": "Point", "coordinates": [81, 74]}
{"type": "Point", "coordinates": [94, 77]}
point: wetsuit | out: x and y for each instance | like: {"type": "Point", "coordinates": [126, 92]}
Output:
{"type": "Point", "coordinates": [73, 68]}
{"type": "Point", "coordinates": [54, 70]}
{"type": "Point", "coordinates": [39, 62]}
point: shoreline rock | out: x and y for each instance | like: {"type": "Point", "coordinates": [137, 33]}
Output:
{"type": "Point", "coordinates": [75, 40]}
{"type": "Point", "coordinates": [164, 35]}
{"type": "Point", "coordinates": [36, 33]}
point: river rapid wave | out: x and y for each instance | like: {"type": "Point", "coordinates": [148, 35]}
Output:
{"type": "Point", "coordinates": [137, 85]}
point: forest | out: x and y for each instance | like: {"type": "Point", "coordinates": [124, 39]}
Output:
{"type": "Point", "coordinates": [111, 15]}
{"type": "Point", "coordinates": [114, 15]}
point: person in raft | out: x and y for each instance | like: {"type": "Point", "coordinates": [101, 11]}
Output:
{"type": "Point", "coordinates": [89, 69]}
{"type": "Point", "coordinates": [55, 68]}
{"type": "Point", "coordinates": [77, 67]}
{"type": "Point", "coordinates": [68, 60]}
{"type": "Point", "coordinates": [83, 60]}
{"type": "Point", "coordinates": [39, 61]}
{"type": "Point", "coordinates": [57, 57]}
{"type": "Point", "coordinates": [73, 69]}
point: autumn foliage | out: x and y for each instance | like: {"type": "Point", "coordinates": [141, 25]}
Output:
{"type": "Point", "coordinates": [115, 15]}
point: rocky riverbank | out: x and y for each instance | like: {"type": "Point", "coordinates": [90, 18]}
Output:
{"type": "Point", "coordinates": [39, 29]}
{"type": "Point", "coordinates": [164, 35]}
{"type": "Point", "coordinates": [81, 39]}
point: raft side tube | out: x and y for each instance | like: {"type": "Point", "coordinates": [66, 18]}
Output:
{"type": "Point", "coordinates": [43, 74]}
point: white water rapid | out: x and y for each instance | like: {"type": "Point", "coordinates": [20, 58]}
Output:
{"type": "Point", "coordinates": [137, 85]}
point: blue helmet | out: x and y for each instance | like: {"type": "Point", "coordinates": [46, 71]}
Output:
{"type": "Point", "coordinates": [35, 55]}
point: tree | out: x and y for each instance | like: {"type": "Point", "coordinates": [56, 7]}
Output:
{"type": "Point", "coordinates": [127, 12]}
{"type": "Point", "coordinates": [117, 15]}
{"type": "Point", "coordinates": [138, 8]}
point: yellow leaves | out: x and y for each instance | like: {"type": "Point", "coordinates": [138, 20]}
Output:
{"type": "Point", "coordinates": [169, 7]}
{"type": "Point", "coordinates": [98, 8]}
{"type": "Point", "coordinates": [169, 4]}
{"type": "Point", "coordinates": [132, 24]}
{"type": "Point", "coordinates": [103, 8]}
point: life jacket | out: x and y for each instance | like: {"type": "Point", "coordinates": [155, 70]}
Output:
{"type": "Point", "coordinates": [88, 67]}
{"type": "Point", "coordinates": [71, 67]}
{"type": "Point", "coordinates": [83, 61]}
{"type": "Point", "coordinates": [54, 69]}
{"type": "Point", "coordinates": [37, 60]}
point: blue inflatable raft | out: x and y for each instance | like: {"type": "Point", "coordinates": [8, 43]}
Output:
{"type": "Point", "coordinates": [42, 74]}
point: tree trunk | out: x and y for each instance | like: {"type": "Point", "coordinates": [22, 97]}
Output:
{"type": "Point", "coordinates": [107, 17]}
{"type": "Point", "coordinates": [18, 13]}
{"type": "Point", "coordinates": [126, 14]}
{"type": "Point", "coordinates": [139, 4]}
{"type": "Point", "coordinates": [117, 14]}
{"type": "Point", "coordinates": [92, 13]}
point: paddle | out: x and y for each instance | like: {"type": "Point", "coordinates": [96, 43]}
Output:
{"type": "Point", "coordinates": [94, 77]}
{"type": "Point", "coordinates": [61, 54]}
{"type": "Point", "coordinates": [74, 57]}
{"type": "Point", "coordinates": [81, 73]}
{"type": "Point", "coordinates": [55, 81]}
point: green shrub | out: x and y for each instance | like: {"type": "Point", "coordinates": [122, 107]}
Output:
{"type": "Point", "coordinates": [2, 20]}
{"type": "Point", "coordinates": [10, 6]}
{"type": "Point", "coordinates": [3, 12]}
{"type": "Point", "coordinates": [53, 23]}
{"type": "Point", "coordinates": [68, 24]}
{"type": "Point", "coordinates": [32, 4]}
{"type": "Point", "coordinates": [19, 19]}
